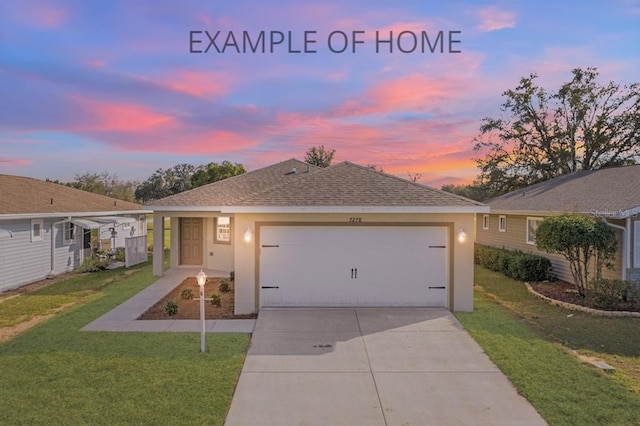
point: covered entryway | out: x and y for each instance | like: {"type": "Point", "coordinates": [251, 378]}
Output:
{"type": "Point", "coordinates": [354, 266]}
{"type": "Point", "coordinates": [191, 239]}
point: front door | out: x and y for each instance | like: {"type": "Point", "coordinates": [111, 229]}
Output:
{"type": "Point", "coordinates": [191, 241]}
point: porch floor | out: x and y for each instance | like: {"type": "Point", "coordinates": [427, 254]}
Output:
{"type": "Point", "coordinates": [124, 317]}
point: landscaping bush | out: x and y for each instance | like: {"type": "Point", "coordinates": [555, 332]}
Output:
{"type": "Point", "coordinates": [93, 264]}
{"type": "Point", "coordinates": [171, 307]}
{"type": "Point", "coordinates": [613, 294]}
{"type": "Point", "coordinates": [224, 286]}
{"type": "Point", "coordinates": [119, 256]}
{"type": "Point", "coordinates": [514, 264]}
{"type": "Point", "coordinates": [216, 300]}
{"type": "Point", "coordinates": [187, 294]}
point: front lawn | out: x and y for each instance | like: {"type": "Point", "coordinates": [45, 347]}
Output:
{"type": "Point", "coordinates": [56, 374]}
{"type": "Point", "coordinates": [530, 340]}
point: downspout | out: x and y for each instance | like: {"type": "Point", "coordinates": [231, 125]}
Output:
{"type": "Point", "coordinates": [53, 243]}
{"type": "Point", "coordinates": [625, 244]}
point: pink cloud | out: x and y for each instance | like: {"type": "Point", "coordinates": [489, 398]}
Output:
{"type": "Point", "coordinates": [15, 161]}
{"type": "Point", "coordinates": [44, 16]}
{"type": "Point", "coordinates": [122, 117]}
{"type": "Point", "coordinates": [198, 83]}
{"type": "Point", "coordinates": [493, 19]}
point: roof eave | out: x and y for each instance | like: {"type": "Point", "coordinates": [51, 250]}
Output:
{"type": "Point", "coordinates": [325, 209]}
{"type": "Point", "coordinates": [611, 214]}
{"type": "Point", "coordinates": [13, 216]}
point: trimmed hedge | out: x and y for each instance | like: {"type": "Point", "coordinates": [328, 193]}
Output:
{"type": "Point", "coordinates": [516, 264]}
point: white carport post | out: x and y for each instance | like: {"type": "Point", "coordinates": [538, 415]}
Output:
{"type": "Point", "coordinates": [158, 244]}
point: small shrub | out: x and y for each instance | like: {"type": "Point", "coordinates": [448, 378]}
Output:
{"type": "Point", "coordinates": [171, 307]}
{"type": "Point", "coordinates": [514, 264]}
{"type": "Point", "coordinates": [93, 264]}
{"type": "Point", "coordinates": [187, 294]}
{"type": "Point", "coordinates": [224, 286]}
{"type": "Point", "coordinates": [119, 256]}
{"type": "Point", "coordinates": [611, 294]}
{"type": "Point", "coordinates": [216, 300]}
{"type": "Point", "coordinates": [232, 276]}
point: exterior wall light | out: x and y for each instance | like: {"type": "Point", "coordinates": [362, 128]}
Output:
{"type": "Point", "coordinates": [248, 235]}
{"type": "Point", "coordinates": [462, 236]}
{"type": "Point", "coordinates": [201, 277]}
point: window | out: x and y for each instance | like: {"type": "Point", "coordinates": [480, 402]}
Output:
{"type": "Point", "coordinates": [223, 230]}
{"type": "Point", "coordinates": [532, 226]}
{"type": "Point", "coordinates": [502, 223]}
{"type": "Point", "coordinates": [69, 232]}
{"type": "Point", "coordinates": [36, 230]}
{"type": "Point", "coordinates": [485, 221]}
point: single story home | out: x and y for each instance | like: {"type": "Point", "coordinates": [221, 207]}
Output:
{"type": "Point", "coordinates": [612, 195]}
{"type": "Point", "coordinates": [47, 228]}
{"type": "Point", "coordinates": [345, 235]}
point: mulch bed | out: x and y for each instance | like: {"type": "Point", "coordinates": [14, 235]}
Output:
{"type": "Point", "coordinates": [565, 292]}
{"type": "Point", "coordinates": [190, 309]}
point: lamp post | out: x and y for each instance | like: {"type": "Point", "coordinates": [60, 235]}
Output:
{"type": "Point", "coordinates": [201, 277]}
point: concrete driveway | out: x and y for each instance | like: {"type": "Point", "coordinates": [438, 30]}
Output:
{"type": "Point", "coordinates": [371, 366]}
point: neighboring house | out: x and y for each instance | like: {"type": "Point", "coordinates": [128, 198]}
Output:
{"type": "Point", "coordinates": [47, 228]}
{"type": "Point", "coordinates": [612, 195]}
{"type": "Point", "coordinates": [346, 235]}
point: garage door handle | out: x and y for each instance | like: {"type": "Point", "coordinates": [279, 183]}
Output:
{"type": "Point", "coordinates": [442, 287]}
{"type": "Point", "coordinates": [437, 246]}
{"type": "Point", "coordinates": [354, 273]}
{"type": "Point", "coordinates": [270, 286]}
{"type": "Point", "coordinates": [270, 245]}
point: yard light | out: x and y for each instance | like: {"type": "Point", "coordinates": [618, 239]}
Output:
{"type": "Point", "coordinates": [462, 236]}
{"type": "Point", "coordinates": [248, 234]}
{"type": "Point", "coordinates": [201, 277]}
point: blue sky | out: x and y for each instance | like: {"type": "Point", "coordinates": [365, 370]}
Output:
{"type": "Point", "coordinates": [88, 86]}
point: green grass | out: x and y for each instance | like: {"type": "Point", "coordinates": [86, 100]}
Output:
{"type": "Point", "coordinates": [529, 340]}
{"type": "Point", "coordinates": [167, 232]}
{"type": "Point", "coordinates": [56, 374]}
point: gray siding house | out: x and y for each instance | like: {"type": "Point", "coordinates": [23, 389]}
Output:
{"type": "Point", "coordinates": [612, 195]}
{"type": "Point", "coordinates": [47, 228]}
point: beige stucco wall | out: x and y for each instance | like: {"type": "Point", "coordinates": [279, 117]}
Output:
{"type": "Point", "coordinates": [246, 286]}
{"type": "Point", "coordinates": [217, 256]}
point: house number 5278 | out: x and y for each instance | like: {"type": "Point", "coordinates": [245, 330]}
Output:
{"type": "Point", "coordinates": [355, 219]}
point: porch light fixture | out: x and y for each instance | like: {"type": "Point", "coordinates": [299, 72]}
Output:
{"type": "Point", "coordinates": [462, 236]}
{"type": "Point", "coordinates": [248, 235]}
{"type": "Point", "coordinates": [201, 277]}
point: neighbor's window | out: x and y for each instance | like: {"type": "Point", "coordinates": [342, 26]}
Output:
{"type": "Point", "coordinates": [485, 221]}
{"type": "Point", "coordinates": [502, 223]}
{"type": "Point", "coordinates": [532, 226]}
{"type": "Point", "coordinates": [223, 230]}
{"type": "Point", "coordinates": [36, 230]}
{"type": "Point", "coordinates": [69, 232]}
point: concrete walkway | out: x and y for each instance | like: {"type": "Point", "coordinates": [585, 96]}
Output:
{"type": "Point", "coordinates": [371, 367]}
{"type": "Point", "coordinates": [124, 317]}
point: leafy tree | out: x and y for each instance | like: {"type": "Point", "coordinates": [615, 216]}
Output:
{"type": "Point", "coordinates": [104, 183]}
{"type": "Point", "coordinates": [319, 156]}
{"type": "Point", "coordinates": [582, 126]}
{"type": "Point", "coordinates": [182, 177]}
{"type": "Point", "coordinates": [581, 240]}
{"type": "Point", "coordinates": [165, 182]}
{"type": "Point", "coordinates": [214, 172]}
{"type": "Point", "coordinates": [471, 191]}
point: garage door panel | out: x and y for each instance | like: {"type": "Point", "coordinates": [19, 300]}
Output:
{"type": "Point", "coordinates": [359, 266]}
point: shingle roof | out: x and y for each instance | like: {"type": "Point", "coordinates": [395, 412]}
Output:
{"type": "Point", "coordinates": [345, 184]}
{"type": "Point", "coordinates": [614, 191]}
{"type": "Point", "coordinates": [229, 191]}
{"type": "Point", "coordinates": [24, 195]}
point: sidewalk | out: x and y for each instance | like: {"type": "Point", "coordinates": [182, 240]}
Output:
{"type": "Point", "coordinates": [123, 317]}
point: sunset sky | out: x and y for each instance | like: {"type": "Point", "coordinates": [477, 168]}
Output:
{"type": "Point", "coordinates": [89, 86]}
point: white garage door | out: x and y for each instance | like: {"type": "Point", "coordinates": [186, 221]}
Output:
{"type": "Point", "coordinates": [353, 266]}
